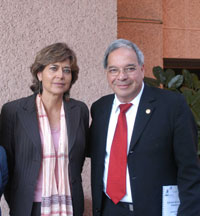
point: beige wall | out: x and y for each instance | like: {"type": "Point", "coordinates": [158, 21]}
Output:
{"type": "Point", "coordinates": [26, 26]}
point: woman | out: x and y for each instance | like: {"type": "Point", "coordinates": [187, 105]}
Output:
{"type": "Point", "coordinates": [45, 139]}
{"type": "Point", "coordinates": [3, 171]}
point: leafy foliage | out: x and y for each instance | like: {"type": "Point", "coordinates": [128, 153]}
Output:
{"type": "Point", "coordinates": [186, 83]}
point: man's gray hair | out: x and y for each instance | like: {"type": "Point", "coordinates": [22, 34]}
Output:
{"type": "Point", "coordinates": [126, 44]}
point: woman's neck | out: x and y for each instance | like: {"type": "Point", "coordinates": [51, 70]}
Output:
{"type": "Point", "coordinates": [52, 106]}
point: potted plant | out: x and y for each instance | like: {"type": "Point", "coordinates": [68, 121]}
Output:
{"type": "Point", "coordinates": [185, 83]}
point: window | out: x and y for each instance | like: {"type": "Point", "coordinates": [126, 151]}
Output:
{"type": "Point", "coordinates": [193, 65]}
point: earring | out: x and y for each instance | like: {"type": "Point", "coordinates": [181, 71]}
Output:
{"type": "Point", "coordinates": [40, 87]}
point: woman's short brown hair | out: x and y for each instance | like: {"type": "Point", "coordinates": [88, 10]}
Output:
{"type": "Point", "coordinates": [57, 52]}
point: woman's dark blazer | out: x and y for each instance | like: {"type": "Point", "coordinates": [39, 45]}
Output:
{"type": "Point", "coordinates": [19, 134]}
{"type": "Point", "coordinates": [3, 171]}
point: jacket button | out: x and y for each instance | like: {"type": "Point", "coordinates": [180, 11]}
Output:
{"type": "Point", "coordinates": [133, 178]}
{"type": "Point", "coordinates": [131, 152]}
{"type": "Point", "coordinates": [97, 211]}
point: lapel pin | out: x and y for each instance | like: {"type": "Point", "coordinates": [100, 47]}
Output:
{"type": "Point", "coordinates": [148, 111]}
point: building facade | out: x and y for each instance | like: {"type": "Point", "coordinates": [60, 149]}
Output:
{"type": "Point", "coordinates": [167, 31]}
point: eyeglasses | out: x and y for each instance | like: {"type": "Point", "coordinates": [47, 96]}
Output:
{"type": "Point", "coordinates": [114, 71]}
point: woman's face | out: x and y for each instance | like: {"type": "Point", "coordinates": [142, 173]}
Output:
{"type": "Point", "coordinates": [56, 78]}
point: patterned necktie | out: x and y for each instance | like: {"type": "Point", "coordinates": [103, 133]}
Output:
{"type": "Point", "coordinates": [116, 183]}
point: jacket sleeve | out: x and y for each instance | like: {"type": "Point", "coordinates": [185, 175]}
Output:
{"type": "Point", "coordinates": [3, 169]}
{"type": "Point", "coordinates": [6, 139]}
{"type": "Point", "coordinates": [185, 141]}
{"type": "Point", "coordinates": [86, 125]}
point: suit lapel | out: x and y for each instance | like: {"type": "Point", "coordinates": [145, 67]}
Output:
{"type": "Point", "coordinates": [72, 114]}
{"type": "Point", "coordinates": [144, 113]}
{"type": "Point", "coordinates": [28, 117]}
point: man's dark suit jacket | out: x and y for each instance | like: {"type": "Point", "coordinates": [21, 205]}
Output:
{"type": "Point", "coordinates": [162, 152]}
{"type": "Point", "coordinates": [20, 136]}
{"type": "Point", "coordinates": [3, 171]}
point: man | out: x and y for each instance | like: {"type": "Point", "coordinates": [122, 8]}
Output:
{"type": "Point", "coordinates": [160, 138]}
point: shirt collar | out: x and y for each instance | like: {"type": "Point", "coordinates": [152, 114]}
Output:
{"type": "Point", "coordinates": [135, 101]}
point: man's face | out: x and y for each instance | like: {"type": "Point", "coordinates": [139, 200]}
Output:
{"type": "Point", "coordinates": [124, 74]}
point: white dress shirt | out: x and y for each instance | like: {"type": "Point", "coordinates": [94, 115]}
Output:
{"type": "Point", "coordinates": [130, 118]}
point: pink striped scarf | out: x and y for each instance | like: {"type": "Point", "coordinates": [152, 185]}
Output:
{"type": "Point", "coordinates": [56, 197]}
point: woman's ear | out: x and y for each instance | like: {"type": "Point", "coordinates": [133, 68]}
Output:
{"type": "Point", "coordinates": [39, 76]}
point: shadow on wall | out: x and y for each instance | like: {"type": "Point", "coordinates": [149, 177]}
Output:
{"type": "Point", "coordinates": [88, 207]}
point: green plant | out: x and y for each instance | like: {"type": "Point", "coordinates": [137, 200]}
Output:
{"type": "Point", "coordinates": [186, 83]}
